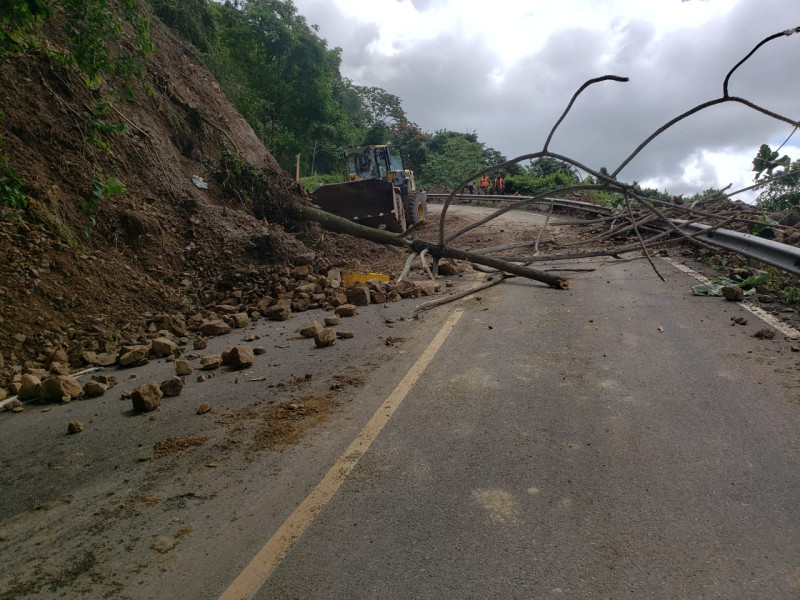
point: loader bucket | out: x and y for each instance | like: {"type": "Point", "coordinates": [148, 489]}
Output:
{"type": "Point", "coordinates": [370, 202]}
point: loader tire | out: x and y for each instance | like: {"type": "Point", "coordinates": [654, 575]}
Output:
{"type": "Point", "coordinates": [416, 208]}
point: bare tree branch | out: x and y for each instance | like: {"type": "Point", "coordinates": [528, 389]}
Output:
{"type": "Point", "coordinates": [575, 97]}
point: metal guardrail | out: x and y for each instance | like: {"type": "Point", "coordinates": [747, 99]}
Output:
{"type": "Point", "coordinates": [573, 204]}
{"type": "Point", "coordinates": [783, 256]}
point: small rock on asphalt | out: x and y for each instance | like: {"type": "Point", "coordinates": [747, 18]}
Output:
{"type": "Point", "coordinates": [75, 427]}
{"type": "Point", "coordinates": [203, 408]}
{"type": "Point", "coordinates": [182, 368]}
{"type": "Point", "coordinates": [172, 386]}
{"type": "Point", "coordinates": [211, 362]}
{"type": "Point", "coordinates": [147, 397]}
{"type": "Point", "coordinates": [93, 389]}
{"type": "Point", "coordinates": [325, 337]}
{"type": "Point", "coordinates": [733, 293]}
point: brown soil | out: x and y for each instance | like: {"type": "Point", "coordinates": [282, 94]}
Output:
{"type": "Point", "coordinates": [163, 245]}
{"type": "Point", "coordinates": [174, 445]}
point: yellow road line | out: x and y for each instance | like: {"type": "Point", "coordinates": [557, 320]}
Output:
{"type": "Point", "coordinates": [255, 574]}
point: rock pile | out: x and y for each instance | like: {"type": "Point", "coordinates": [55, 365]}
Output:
{"type": "Point", "coordinates": [276, 293]}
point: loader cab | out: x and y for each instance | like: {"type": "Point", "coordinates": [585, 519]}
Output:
{"type": "Point", "coordinates": [373, 162]}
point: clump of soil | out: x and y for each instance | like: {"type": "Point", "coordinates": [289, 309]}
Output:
{"type": "Point", "coordinates": [174, 445]}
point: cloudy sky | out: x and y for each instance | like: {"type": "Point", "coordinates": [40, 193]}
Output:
{"type": "Point", "coordinates": [506, 69]}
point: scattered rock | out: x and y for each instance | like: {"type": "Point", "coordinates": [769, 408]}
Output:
{"type": "Point", "coordinates": [58, 387]}
{"type": "Point", "coordinates": [766, 298]}
{"type": "Point", "coordinates": [764, 334]}
{"type": "Point", "coordinates": [215, 327]}
{"type": "Point", "coordinates": [75, 427]}
{"type": "Point", "coordinates": [134, 356]}
{"type": "Point", "coordinates": [147, 397]}
{"type": "Point", "coordinates": [58, 355]}
{"type": "Point", "coordinates": [172, 386]}
{"type": "Point", "coordinates": [165, 347]}
{"type": "Point", "coordinates": [182, 368]}
{"type": "Point", "coordinates": [346, 310]}
{"type": "Point", "coordinates": [733, 293]}
{"type": "Point", "coordinates": [106, 359]}
{"type": "Point", "coordinates": [325, 337]}
{"type": "Point", "coordinates": [240, 320]}
{"type": "Point", "coordinates": [333, 321]}
{"type": "Point", "coordinates": [107, 380]}
{"type": "Point", "coordinates": [310, 330]}
{"type": "Point", "coordinates": [203, 408]}
{"type": "Point", "coordinates": [345, 335]}
{"type": "Point", "coordinates": [93, 389]}
{"type": "Point", "coordinates": [238, 357]}
{"type": "Point", "coordinates": [29, 387]}
{"type": "Point", "coordinates": [200, 344]}
{"type": "Point", "coordinates": [211, 362]}
{"type": "Point", "coordinates": [278, 312]}
{"type": "Point", "coordinates": [259, 350]}
{"type": "Point", "coordinates": [13, 404]}
{"type": "Point", "coordinates": [428, 287]}
{"type": "Point", "coordinates": [358, 294]}
{"type": "Point", "coordinates": [59, 368]}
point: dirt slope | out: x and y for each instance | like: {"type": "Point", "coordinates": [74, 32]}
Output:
{"type": "Point", "coordinates": [163, 244]}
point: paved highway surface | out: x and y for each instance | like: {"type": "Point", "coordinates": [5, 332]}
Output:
{"type": "Point", "coordinates": [620, 440]}
{"type": "Point", "coordinates": [561, 445]}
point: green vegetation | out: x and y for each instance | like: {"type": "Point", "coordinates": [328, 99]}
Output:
{"type": "Point", "coordinates": [101, 189]}
{"type": "Point", "coordinates": [93, 28]}
{"type": "Point", "coordinates": [784, 192]}
{"type": "Point", "coordinates": [99, 129]}
{"type": "Point", "coordinates": [11, 194]}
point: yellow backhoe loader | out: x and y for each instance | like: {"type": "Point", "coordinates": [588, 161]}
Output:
{"type": "Point", "coordinates": [379, 192]}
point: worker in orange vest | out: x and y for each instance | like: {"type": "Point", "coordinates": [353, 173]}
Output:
{"type": "Point", "coordinates": [499, 185]}
{"type": "Point", "coordinates": [485, 184]}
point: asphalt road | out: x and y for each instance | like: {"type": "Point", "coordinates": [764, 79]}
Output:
{"type": "Point", "coordinates": [557, 444]}
{"type": "Point", "coordinates": [560, 445]}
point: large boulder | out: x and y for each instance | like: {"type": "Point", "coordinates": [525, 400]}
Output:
{"type": "Point", "coordinates": [163, 346]}
{"type": "Point", "coordinates": [240, 320]}
{"type": "Point", "coordinates": [238, 357]}
{"type": "Point", "coordinates": [132, 356]}
{"type": "Point", "coordinates": [29, 387]}
{"type": "Point", "coordinates": [147, 397]}
{"type": "Point", "coordinates": [358, 294]}
{"type": "Point", "coordinates": [58, 388]}
{"type": "Point", "coordinates": [215, 327]}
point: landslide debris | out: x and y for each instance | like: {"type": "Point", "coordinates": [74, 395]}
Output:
{"type": "Point", "coordinates": [147, 201]}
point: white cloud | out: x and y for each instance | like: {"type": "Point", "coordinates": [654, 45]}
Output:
{"type": "Point", "coordinates": [507, 69]}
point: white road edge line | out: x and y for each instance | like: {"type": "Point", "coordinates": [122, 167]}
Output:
{"type": "Point", "coordinates": [770, 320]}
{"type": "Point", "coordinates": [250, 580]}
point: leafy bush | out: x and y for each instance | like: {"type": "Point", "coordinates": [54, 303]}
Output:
{"type": "Point", "coordinates": [11, 194]}
{"type": "Point", "coordinates": [101, 189]}
{"type": "Point", "coordinates": [314, 181]}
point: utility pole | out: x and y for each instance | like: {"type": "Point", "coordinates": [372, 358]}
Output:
{"type": "Point", "coordinates": [297, 169]}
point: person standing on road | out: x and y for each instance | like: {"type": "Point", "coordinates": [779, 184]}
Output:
{"type": "Point", "coordinates": [471, 187]}
{"type": "Point", "coordinates": [499, 185]}
{"type": "Point", "coordinates": [485, 184]}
